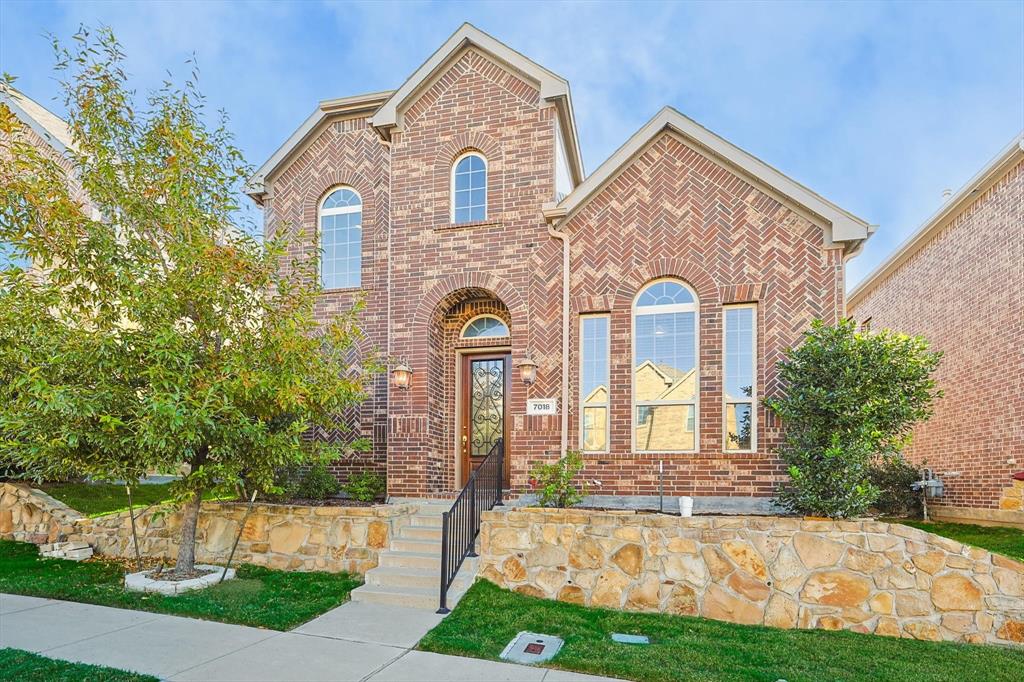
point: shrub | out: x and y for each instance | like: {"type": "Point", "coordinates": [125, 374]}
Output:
{"type": "Point", "coordinates": [893, 476]}
{"type": "Point", "coordinates": [366, 486]}
{"type": "Point", "coordinates": [318, 483]}
{"type": "Point", "coordinates": [553, 482]}
{"type": "Point", "coordinates": [848, 399]}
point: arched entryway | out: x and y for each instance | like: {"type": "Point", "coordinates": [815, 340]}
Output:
{"type": "Point", "coordinates": [470, 384]}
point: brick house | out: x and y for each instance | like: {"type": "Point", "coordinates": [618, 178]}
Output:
{"type": "Point", "coordinates": [654, 296]}
{"type": "Point", "coordinates": [50, 134]}
{"type": "Point", "coordinates": [958, 281]}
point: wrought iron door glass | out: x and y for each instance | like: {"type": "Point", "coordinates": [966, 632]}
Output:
{"type": "Point", "coordinates": [487, 405]}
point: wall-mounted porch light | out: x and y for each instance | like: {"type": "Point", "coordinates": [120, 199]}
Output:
{"type": "Point", "coordinates": [401, 376]}
{"type": "Point", "coordinates": [528, 370]}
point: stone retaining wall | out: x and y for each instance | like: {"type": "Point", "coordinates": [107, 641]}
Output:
{"type": "Point", "coordinates": [863, 576]}
{"type": "Point", "coordinates": [278, 536]}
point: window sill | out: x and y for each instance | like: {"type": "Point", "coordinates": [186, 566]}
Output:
{"type": "Point", "coordinates": [344, 290]}
{"type": "Point", "coordinates": [465, 226]}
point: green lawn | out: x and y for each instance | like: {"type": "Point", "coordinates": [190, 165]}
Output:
{"type": "Point", "coordinates": [23, 666]}
{"type": "Point", "coordinates": [260, 597]}
{"type": "Point", "coordinates": [1006, 541]}
{"type": "Point", "coordinates": [684, 648]}
{"type": "Point", "coordinates": [97, 499]}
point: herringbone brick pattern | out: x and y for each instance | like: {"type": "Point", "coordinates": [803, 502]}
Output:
{"type": "Point", "coordinates": [671, 212]}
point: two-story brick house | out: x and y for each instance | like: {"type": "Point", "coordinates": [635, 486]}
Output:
{"type": "Point", "coordinates": [651, 298]}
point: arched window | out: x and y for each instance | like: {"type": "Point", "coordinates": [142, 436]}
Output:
{"type": "Point", "coordinates": [485, 327]}
{"type": "Point", "coordinates": [341, 239]}
{"type": "Point", "coordinates": [665, 372]}
{"type": "Point", "coordinates": [469, 188]}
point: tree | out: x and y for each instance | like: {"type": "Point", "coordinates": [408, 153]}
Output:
{"type": "Point", "coordinates": [159, 333]}
{"type": "Point", "coordinates": [849, 399]}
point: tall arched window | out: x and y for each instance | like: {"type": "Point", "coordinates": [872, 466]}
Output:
{"type": "Point", "coordinates": [665, 372]}
{"type": "Point", "coordinates": [341, 239]}
{"type": "Point", "coordinates": [469, 188]}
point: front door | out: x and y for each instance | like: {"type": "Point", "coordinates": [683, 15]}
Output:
{"type": "Point", "coordinates": [483, 406]}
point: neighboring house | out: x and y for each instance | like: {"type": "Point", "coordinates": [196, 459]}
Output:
{"type": "Point", "coordinates": [671, 278]}
{"type": "Point", "coordinates": [49, 133]}
{"type": "Point", "coordinates": [959, 281]}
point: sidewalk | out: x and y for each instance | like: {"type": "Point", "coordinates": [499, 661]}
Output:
{"type": "Point", "coordinates": [354, 642]}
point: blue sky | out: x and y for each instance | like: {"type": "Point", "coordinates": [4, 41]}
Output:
{"type": "Point", "coordinates": [877, 106]}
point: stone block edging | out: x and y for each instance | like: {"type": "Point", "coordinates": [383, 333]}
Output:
{"type": "Point", "coordinates": [280, 536]}
{"type": "Point", "coordinates": [860, 575]}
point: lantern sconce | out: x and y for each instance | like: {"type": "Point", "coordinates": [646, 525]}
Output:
{"type": "Point", "coordinates": [528, 370]}
{"type": "Point", "coordinates": [401, 376]}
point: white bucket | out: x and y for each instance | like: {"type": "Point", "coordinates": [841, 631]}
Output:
{"type": "Point", "coordinates": [686, 506]}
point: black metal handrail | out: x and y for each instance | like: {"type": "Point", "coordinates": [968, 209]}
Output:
{"type": "Point", "coordinates": [461, 524]}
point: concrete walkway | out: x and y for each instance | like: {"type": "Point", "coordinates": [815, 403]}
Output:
{"type": "Point", "coordinates": [354, 642]}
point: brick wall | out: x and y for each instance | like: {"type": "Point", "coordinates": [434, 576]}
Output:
{"type": "Point", "coordinates": [346, 152]}
{"type": "Point", "coordinates": [963, 291]}
{"type": "Point", "coordinates": [672, 212]}
{"type": "Point", "coordinates": [675, 213]}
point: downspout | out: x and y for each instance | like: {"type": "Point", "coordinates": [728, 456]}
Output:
{"type": "Point", "coordinates": [564, 239]}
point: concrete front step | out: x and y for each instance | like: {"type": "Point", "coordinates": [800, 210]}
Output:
{"type": "Point", "coordinates": [384, 576]}
{"type": "Point", "coordinates": [418, 532]}
{"type": "Point", "coordinates": [390, 558]}
{"type": "Point", "coordinates": [421, 546]}
{"type": "Point", "coordinates": [427, 520]}
{"type": "Point", "coordinates": [411, 597]}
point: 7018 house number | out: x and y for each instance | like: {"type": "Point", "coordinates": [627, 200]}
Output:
{"type": "Point", "coordinates": [542, 406]}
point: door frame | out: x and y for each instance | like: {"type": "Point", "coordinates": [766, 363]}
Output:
{"type": "Point", "coordinates": [462, 355]}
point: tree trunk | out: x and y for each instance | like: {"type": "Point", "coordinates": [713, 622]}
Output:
{"type": "Point", "coordinates": [189, 520]}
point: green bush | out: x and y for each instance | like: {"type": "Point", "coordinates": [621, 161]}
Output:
{"type": "Point", "coordinates": [318, 483]}
{"type": "Point", "coordinates": [893, 476]}
{"type": "Point", "coordinates": [553, 482]}
{"type": "Point", "coordinates": [286, 483]}
{"type": "Point", "coordinates": [366, 486]}
{"type": "Point", "coordinates": [849, 399]}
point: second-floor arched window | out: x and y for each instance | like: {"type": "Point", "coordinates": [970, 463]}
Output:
{"type": "Point", "coordinates": [341, 239]}
{"type": "Point", "coordinates": [469, 188]}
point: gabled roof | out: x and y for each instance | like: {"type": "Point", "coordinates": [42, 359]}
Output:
{"type": "Point", "coordinates": [46, 124]}
{"type": "Point", "coordinates": [553, 88]}
{"type": "Point", "coordinates": [314, 123]}
{"type": "Point", "coordinates": [1007, 158]}
{"type": "Point", "coordinates": [844, 226]}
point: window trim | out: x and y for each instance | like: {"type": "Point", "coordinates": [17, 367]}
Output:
{"type": "Point", "coordinates": [462, 332]}
{"type": "Point", "coordinates": [753, 391]}
{"type": "Point", "coordinates": [451, 186]}
{"type": "Point", "coordinates": [635, 311]}
{"type": "Point", "coordinates": [338, 210]}
{"type": "Point", "coordinates": [582, 398]}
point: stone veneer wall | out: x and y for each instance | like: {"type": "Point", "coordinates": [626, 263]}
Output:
{"type": "Point", "coordinates": [278, 536]}
{"type": "Point", "coordinates": [863, 576]}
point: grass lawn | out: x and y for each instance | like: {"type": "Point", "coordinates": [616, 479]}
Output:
{"type": "Point", "coordinates": [260, 597]}
{"type": "Point", "coordinates": [1006, 541]}
{"type": "Point", "coordinates": [97, 499]}
{"type": "Point", "coordinates": [682, 648]}
{"type": "Point", "coordinates": [16, 664]}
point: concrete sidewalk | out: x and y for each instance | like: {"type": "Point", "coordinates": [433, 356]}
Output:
{"type": "Point", "coordinates": [353, 642]}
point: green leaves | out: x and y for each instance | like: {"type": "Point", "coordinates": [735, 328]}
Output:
{"type": "Point", "coordinates": [161, 332]}
{"type": "Point", "coordinates": [849, 399]}
{"type": "Point", "coordinates": [553, 482]}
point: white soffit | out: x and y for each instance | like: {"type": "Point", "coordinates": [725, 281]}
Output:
{"type": "Point", "coordinates": [1006, 159]}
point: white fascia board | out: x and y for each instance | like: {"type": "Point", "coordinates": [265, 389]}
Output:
{"type": "Point", "coordinates": [552, 87]}
{"type": "Point", "coordinates": [254, 187]}
{"type": "Point", "coordinates": [1000, 164]}
{"type": "Point", "coordinates": [32, 123]}
{"type": "Point", "coordinates": [844, 226]}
